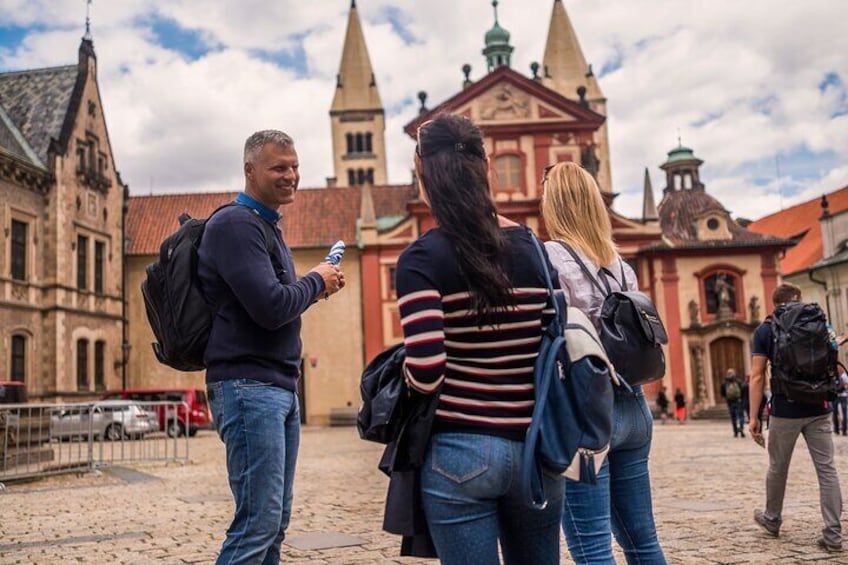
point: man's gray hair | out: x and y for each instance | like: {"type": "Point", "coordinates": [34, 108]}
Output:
{"type": "Point", "coordinates": [258, 140]}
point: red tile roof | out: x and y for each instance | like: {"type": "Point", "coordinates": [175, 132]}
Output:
{"type": "Point", "coordinates": [317, 218]}
{"type": "Point", "coordinates": [801, 220]}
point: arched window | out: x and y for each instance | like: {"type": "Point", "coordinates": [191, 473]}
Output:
{"type": "Point", "coordinates": [99, 369]}
{"type": "Point", "coordinates": [687, 181]}
{"type": "Point", "coordinates": [360, 176]}
{"type": "Point", "coordinates": [508, 170]}
{"type": "Point", "coordinates": [359, 143]}
{"type": "Point", "coordinates": [678, 181]}
{"type": "Point", "coordinates": [369, 176]}
{"type": "Point", "coordinates": [349, 139]}
{"type": "Point", "coordinates": [368, 148]}
{"type": "Point", "coordinates": [18, 369]}
{"type": "Point", "coordinates": [351, 177]}
{"type": "Point", "coordinates": [82, 364]}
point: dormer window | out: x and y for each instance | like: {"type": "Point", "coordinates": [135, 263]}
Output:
{"type": "Point", "coordinates": [713, 224]}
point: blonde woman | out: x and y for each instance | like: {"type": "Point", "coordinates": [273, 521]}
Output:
{"type": "Point", "coordinates": [579, 227]}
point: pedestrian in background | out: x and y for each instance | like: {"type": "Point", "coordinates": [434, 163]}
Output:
{"type": "Point", "coordinates": [577, 221]}
{"type": "Point", "coordinates": [731, 391]}
{"type": "Point", "coordinates": [840, 404]}
{"type": "Point", "coordinates": [254, 352]}
{"type": "Point", "coordinates": [789, 419]}
{"type": "Point", "coordinates": [679, 406]}
{"type": "Point", "coordinates": [662, 404]}
{"type": "Point", "coordinates": [472, 296]}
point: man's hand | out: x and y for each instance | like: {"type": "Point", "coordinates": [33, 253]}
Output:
{"type": "Point", "coordinates": [755, 428]}
{"type": "Point", "coordinates": [334, 279]}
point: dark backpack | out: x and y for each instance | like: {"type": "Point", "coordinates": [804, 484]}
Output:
{"type": "Point", "coordinates": [733, 391]}
{"type": "Point", "coordinates": [571, 427]}
{"type": "Point", "coordinates": [383, 390]}
{"type": "Point", "coordinates": [179, 313]}
{"type": "Point", "coordinates": [631, 329]}
{"type": "Point", "coordinates": [804, 361]}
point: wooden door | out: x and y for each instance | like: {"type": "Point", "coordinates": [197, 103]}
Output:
{"type": "Point", "coordinates": [726, 353]}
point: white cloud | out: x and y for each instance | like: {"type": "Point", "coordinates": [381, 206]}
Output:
{"type": "Point", "coordinates": [739, 79]}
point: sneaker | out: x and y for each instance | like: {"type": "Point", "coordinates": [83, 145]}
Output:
{"type": "Point", "coordinates": [771, 526]}
{"type": "Point", "coordinates": [829, 547]}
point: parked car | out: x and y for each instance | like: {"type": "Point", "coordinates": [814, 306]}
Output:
{"type": "Point", "coordinates": [111, 420]}
{"type": "Point", "coordinates": [174, 422]}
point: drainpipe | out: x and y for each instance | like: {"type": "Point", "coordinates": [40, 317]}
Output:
{"type": "Point", "coordinates": [826, 293]}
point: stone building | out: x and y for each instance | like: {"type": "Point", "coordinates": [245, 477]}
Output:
{"type": "Point", "coordinates": [62, 321]}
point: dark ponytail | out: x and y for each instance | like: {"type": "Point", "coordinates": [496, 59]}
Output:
{"type": "Point", "coordinates": [454, 175]}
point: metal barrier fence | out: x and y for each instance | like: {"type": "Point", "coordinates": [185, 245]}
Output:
{"type": "Point", "coordinates": [38, 440]}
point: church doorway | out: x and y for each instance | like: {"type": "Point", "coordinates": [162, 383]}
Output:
{"type": "Point", "coordinates": [726, 353]}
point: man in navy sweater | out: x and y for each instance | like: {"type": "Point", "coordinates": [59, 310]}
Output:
{"type": "Point", "coordinates": [253, 355]}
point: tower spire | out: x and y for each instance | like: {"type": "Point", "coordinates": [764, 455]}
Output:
{"type": "Point", "coordinates": [564, 65]}
{"type": "Point", "coordinates": [497, 50]}
{"type": "Point", "coordinates": [356, 114]}
{"type": "Point", "coordinates": [649, 206]}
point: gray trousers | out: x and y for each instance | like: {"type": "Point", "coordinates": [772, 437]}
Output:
{"type": "Point", "coordinates": [817, 432]}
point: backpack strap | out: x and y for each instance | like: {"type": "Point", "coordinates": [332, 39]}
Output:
{"type": "Point", "coordinates": [585, 269]}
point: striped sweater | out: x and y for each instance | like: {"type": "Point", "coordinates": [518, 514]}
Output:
{"type": "Point", "coordinates": [485, 373]}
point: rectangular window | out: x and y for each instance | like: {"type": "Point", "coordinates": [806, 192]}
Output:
{"type": "Point", "coordinates": [82, 262]}
{"type": "Point", "coordinates": [99, 248]}
{"type": "Point", "coordinates": [18, 369]}
{"type": "Point", "coordinates": [82, 364]}
{"type": "Point", "coordinates": [99, 374]}
{"type": "Point", "coordinates": [19, 250]}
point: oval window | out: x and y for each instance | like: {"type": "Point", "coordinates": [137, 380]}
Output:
{"type": "Point", "coordinates": [712, 224]}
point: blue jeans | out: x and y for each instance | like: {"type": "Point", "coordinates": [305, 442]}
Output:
{"type": "Point", "coordinates": [471, 497]}
{"type": "Point", "coordinates": [621, 500]}
{"type": "Point", "coordinates": [737, 418]}
{"type": "Point", "coordinates": [260, 426]}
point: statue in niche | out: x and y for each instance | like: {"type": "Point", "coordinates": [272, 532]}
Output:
{"type": "Point", "coordinates": [694, 314]}
{"type": "Point", "coordinates": [722, 294]}
{"type": "Point", "coordinates": [505, 104]}
{"type": "Point", "coordinates": [754, 309]}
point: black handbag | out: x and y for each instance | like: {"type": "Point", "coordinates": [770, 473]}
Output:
{"type": "Point", "coordinates": [632, 331]}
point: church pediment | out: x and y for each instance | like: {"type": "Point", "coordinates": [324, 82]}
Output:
{"type": "Point", "coordinates": [505, 97]}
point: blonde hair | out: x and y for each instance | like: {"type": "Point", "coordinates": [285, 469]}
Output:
{"type": "Point", "coordinates": [574, 211]}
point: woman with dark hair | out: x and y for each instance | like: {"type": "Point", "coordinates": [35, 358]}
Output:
{"type": "Point", "coordinates": [472, 299]}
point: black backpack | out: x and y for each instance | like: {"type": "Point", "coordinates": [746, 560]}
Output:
{"type": "Point", "coordinates": [632, 332]}
{"type": "Point", "coordinates": [179, 313]}
{"type": "Point", "coordinates": [804, 361]}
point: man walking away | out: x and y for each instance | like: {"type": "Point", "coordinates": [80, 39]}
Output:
{"type": "Point", "coordinates": [731, 391]}
{"type": "Point", "coordinates": [789, 419]}
{"type": "Point", "coordinates": [254, 350]}
{"type": "Point", "coordinates": [662, 404]}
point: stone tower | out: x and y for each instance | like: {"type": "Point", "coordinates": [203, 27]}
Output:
{"type": "Point", "coordinates": [564, 70]}
{"type": "Point", "coordinates": [356, 115]}
{"type": "Point", "coordinates": [498, 51]}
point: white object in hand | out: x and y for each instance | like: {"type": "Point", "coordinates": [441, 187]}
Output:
{"type": "Point", "coordinates": [334, 257]}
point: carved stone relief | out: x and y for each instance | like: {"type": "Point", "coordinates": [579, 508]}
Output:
{"type": "Point", "coordinates": [503, 102]}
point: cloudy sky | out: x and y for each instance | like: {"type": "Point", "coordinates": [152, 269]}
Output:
{"type": "Point", "coordinates": [759, 89]}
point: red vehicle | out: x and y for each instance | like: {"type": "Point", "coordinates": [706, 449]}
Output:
{"type": "Point", "coordinates": [174, 422]}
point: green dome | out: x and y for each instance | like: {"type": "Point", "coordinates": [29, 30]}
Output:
{"type": "Point", "coordinates": [680, 153]}
{"type": "Point", "coordinates": [497, 36]}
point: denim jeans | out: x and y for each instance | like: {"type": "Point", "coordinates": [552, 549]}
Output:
{"type": "Point", "coordinates": [782, 435]}
{"type": "Point", "coordinates": [471, 498]}
{"type": "Point", "coordinates": [737, 417]}
{"type": "Point", "coordinates": [260, 426]}
{"type": "Point", "coordinates": [621, 500]}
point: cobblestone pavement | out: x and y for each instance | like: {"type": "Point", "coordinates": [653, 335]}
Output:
{"type": "Point", "coordinates": [706, 485]}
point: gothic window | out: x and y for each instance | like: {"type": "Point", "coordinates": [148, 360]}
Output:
{"type": "Point", "coordinates": [720, 289]}
{"type": "Point", "coordinates": [82, 364]}
{"type": "Point", "coordinates": [508, 170]}
{"type": "Point", "coordinates": [82, 262]}
{"type": "Point", "coordinates": [351, 177]}
{"type": "Point", "coordinates": [349, 140]}
{"type": "Point", "coordinates": [19, 250]}
{"type": "Point", "coordinates": [368, 139]}
{"type": "Point", "coordinates": [18, 369]}
{"type": "Point", "coordinates": [99, 249]}
{"type": "Point", "coordinates": [99, 373]}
